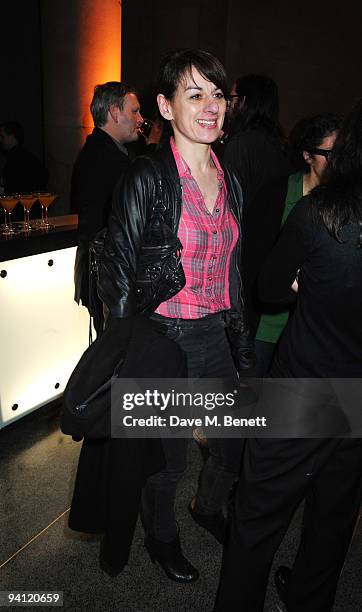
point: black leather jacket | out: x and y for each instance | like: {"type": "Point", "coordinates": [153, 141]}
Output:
{"type": "Point", "coordinates": [133, 200]}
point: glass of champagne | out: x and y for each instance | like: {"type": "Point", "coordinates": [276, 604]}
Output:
{"type": "Point", "coordinates": [45, 199]}
{"type": "Point", "coordinates": [8, 202]}
{"type": "Point", "coordinates": [27, 200]}
{"type": "Point", "coordinates": [145, 128]}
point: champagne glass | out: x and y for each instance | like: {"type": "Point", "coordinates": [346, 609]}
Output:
{"type": "Point", "coordinates": [145, 127]}
{"type": "Point", "coordinates": [39, 195]}
{"type": "Point", "coordinates": [27, 200]}
{"type": "Point", "coordinates": [8, 202]}
{"type": "Point", "coordinates": [45, 199]}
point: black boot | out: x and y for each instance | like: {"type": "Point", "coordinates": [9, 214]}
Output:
{"type": "Point", "coordinates": [213, 523]}
{"type": "Point", "coordinates": [169, 556]}
{"type": "Point", "coordinates": [107, 562]}
{"type": "Point", "coordinates": [281, 579]}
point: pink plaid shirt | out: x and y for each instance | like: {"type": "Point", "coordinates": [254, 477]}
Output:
{"type": "Point", "coordinates": [208, 240]}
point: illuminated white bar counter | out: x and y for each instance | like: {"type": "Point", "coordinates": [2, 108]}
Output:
{"type": "Point", "coordinates": [43, 332]}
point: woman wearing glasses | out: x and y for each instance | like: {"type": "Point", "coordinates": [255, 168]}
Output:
{"type": "Point", "coordinates": [201, 204]}
{"type": "Point", "coordinates": [311, 142]}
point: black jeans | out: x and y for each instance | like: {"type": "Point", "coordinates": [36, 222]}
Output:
{"type": "Point", "coordinates": [208, 356]}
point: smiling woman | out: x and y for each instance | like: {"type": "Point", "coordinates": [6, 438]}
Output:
{"type": "Point", "coordinates": [201, 205]}
{"type": "Point", "coordinates": [196, 111]}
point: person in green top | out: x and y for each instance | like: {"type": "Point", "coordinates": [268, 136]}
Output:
{"type": "Point", "coordinates": [311, 142]}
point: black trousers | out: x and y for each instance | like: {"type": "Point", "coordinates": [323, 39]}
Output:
{"type": "Point", "coordinates": [264, 356]}
{"type": "Point", "coordinates": [277, 475]}
{"type": "Point", "coordinates": [208, 356]}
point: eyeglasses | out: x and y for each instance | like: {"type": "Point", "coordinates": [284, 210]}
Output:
{"type": "Point", "coordinates": [231, 99]}
{"type": "Point", "coordinates": [325, 152]}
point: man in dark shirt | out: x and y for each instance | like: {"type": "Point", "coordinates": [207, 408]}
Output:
{"type": "Point", "coordinates": [100, 164]}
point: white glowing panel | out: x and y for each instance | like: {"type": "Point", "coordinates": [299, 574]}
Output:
{"type": "Point", "coordinates": [43, 332]}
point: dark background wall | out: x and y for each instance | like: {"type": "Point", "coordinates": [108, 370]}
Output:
{"type": "Point", "coordinates": [312, 49]}
{"type": "Point", "coordinates": [52, 51]}
{"type": "Point", "coordinates": [21, 83]}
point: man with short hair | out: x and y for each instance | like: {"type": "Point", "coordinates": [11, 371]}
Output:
{"type": "Point", "coordinates": [100, 164]}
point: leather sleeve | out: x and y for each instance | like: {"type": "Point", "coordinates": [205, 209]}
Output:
{"type": "Point", "coordinates": [132, 203]}
{"type": "Point", "coordinates": [294, 244]}
{"type": "Point", "coordinates": [237, 328]}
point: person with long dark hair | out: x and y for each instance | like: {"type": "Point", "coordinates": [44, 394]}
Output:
{"type": "Point", "coordinates": [255, 147]}
{"type": "Point", "coordinates": [256, 150]}
{"type": "Point", "coordinates": [322, 239]}
{"type": "Point", "coordinates": [200, 305]}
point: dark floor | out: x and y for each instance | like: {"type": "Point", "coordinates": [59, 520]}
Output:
{"type": "Point", "coordinates": [37, 468]}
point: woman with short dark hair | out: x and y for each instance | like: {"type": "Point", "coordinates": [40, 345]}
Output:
{"type": "Point", "coordinates": [201, 206]}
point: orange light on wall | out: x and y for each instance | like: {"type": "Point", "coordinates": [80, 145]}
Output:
{"type": "Point", "coordinates": [81, 41]}
{"type": "Point", "coordinates": [99, 57]}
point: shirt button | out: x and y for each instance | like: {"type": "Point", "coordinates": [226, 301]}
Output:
{"type": "Point", "coordinates": [217, 210]}
{"type": "Point", "coordinates": [212, 299]}
{"type": "Point", "coordinates": [210, 278]}
{"type": "Point", "coordinates": [214, 231]}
